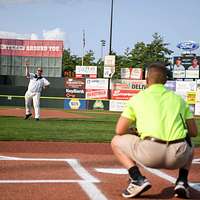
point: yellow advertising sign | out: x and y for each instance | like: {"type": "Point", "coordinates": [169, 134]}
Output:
{"type": "Point", "coordinates": [191, 97]}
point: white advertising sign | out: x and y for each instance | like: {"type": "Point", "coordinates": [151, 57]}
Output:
{"type": "Point", "coordinates": [178, 73]}
{"type": "Point", "coordinates": [98, 83]}
{"type": "Point", "coordinates": [117, 105]}
{"type": "Point", "coordinates": [109, 61]}
{"type": "Point", "coordinates": [183, 87]}
{"type": "Point", "coordinates": [197, 108]}
{"type": "Point", "coordinates": [192, 74]}
{"type": "Point", "coordinates": [131, 73]}
{"type": "Point", "coordinates": [108, 72]}
{"type": "Point", "coordinates": [86, 69]}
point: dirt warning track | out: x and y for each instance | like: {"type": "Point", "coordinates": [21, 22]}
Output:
{"type": "Point", "coordinates": [60, 170]}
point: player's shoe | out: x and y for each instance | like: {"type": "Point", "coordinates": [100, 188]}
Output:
{"type": "Point", "coordinates": [136, 187]}
{"type": "Point", "coordinates": [181, 190]}
{"type": "Point", "coordinates": [27, 116]}
{"type": "Point", "coordinates": [37, 119]}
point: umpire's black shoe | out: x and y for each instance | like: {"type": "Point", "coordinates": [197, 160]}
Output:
{"type": "Point", "coordinates": [136, 187]}
{"type": "Point", "coordinates": [181, 190]}
{"type": "Point", "coordinates": [27, 116]}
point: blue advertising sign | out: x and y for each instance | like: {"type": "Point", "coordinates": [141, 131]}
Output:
{"type": "Point", "coordinates": [188, 45]}
{"type": "Point", "coordinates": [75, 104]}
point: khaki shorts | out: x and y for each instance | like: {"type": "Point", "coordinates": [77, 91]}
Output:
{"type": "Point", "coordinates": [154, 154]}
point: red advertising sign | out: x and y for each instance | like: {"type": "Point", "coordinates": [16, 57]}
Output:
{"type": "Point", "coordinates": [96, 94]}
{"type": "Point", "coordinates": [33, 48]}
{"type": "Point", "coordinates": [123, 94]}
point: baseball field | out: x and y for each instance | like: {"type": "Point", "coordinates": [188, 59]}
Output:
{"type": "Point", "coordinates": [66, 155]}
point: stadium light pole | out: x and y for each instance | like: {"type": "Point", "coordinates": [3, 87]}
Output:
{"type": "Point", "coordinates": [111, 27]}
{"type": "Point", "coordinates": [110, 46]}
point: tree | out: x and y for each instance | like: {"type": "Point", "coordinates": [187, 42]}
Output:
{"type": "Point", "coordinates": [143, 54]}
{"type": "Point", "coordinates": [89, 58]}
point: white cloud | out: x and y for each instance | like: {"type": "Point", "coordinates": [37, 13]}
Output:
{"type": "Point", "coordinates": [13, 35]}
{"type": "Point", "coordinates": [33, 36]}
{"type": "Point", "coordinates": [17, 1]}
{"type": "Point", "coordinates": [54, 34]}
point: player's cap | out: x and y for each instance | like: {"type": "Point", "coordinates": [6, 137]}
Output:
{"type": "Point", "coordinates": [179, 58]}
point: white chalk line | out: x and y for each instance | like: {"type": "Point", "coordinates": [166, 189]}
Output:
{"type": "Point", "coordinates": [87, 184]}
{"type": "Point", "coordinates": [44, 181]}
{"type": "Point", "coordinates": [195, 186]}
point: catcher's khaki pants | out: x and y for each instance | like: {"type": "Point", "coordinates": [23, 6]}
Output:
{"type": "Point", "coordinates": [154, 154]}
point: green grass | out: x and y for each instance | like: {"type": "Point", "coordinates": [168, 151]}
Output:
{"type": "Point", "coordinates": [99, 128]}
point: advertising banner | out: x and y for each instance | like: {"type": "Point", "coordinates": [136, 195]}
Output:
{"type": "Point", "coordinates": [75, 104]}
{"type": "Point", "coordinates": [96, 94]}
{"type": "Point", "coordinates": [109, 61]}
{"type": "Point", "coordinates": [117, 105]}
{"type": "Point", "coordinates": [191, 97]}
{"type": "Point", "coordinates": [192, 74]}
{"type": "Point", "coordinates": [108, 72]}
{"type": "Point", "coordinates": [97, 105]}
{"type": "Point", "coordinates": [32, 48]}
{"type": "Point", "coordinates": [171, 85]}
{"type": "Point", "coordinates": [125, 89]}
{"type": "Point", "coordinates": [86, 71]}
{"type": "Point", "coordinates": [131, 73]}
{"type": "Point", "coordinates": [183, 87]}
{"type": "Point", "coordinates": [74, 88]}
{"type": "Point", "coordinates": [197, 108]}
{"type": "Point", "coordinates": [123, 84]}
{"type": "Point", "coordinates": [122, 94]}
{"type": "Point", "coordinates": [99, 83]}
{"type": "Point", "coordinates": [178, 73]}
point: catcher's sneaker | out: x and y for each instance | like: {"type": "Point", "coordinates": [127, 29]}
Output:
{"type": "Point", "coordinates": [181, 190]}
{"type": "Point", "coordinates": [136, 187]}
{"type": "Point", "coordinates": [27, 116]}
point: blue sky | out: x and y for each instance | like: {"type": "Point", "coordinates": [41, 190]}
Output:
{"type": "Point", "coordinates": [134, 21]}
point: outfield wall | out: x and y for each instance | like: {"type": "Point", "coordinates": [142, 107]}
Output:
{"type": "Point", "coordinates": [83, 94]}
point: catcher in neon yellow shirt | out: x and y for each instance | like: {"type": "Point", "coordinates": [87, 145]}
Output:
{"type": "Point", "coordinates": [161, 118]}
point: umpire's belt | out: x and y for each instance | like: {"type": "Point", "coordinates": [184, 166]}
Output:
{"type": "Point", "coordinates": [164, 142]}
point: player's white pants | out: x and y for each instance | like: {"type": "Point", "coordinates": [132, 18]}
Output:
{"type": "Point", "coordinates": [35, 96]}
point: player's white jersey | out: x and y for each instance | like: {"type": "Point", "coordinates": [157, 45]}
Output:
{"type": "Point", "coordinates": [193, 68]}
{"type": "Point", "coordinates": [37, 83]}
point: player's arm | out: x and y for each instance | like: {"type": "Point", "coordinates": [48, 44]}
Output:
{"type": "Point", "coordinates": [46, 84]}
{"type": "Point", "coordinates": [192, 127]}
{"type": "Point", "coordinates": [27, 71]}
{"type": "Point", "coordinates": [123, 126]}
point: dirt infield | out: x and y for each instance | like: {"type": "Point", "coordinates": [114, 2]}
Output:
{"type": "Point", "coordinates": [45, 113]}
{"type": "Point", "coordinates": [60, 170]}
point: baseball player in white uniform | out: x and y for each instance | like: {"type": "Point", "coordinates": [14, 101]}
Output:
{"type": "Point", "coordinates": [36, 84]}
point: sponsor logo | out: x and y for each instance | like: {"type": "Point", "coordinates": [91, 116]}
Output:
{"type": "Point", "coordinates": [98, 104]}
{"type": "Point", "coordinates": [188, 45]}
{"type": "Point", "coordinates": [74, 91]}
{"type": "Point", "coordinates": [74, 104]}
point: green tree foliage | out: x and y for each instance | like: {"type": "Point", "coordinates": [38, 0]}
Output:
{"type": "Point", "coordinates": [69, 61]}
{"type": "Point", "coordinates": [141, 55]}
{"type": "Point", "coordinates": [89, 59]}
